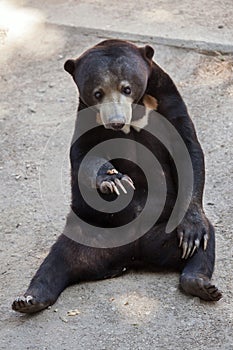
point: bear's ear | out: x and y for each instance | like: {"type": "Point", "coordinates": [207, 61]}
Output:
{"type": "Point", "coordinates": [147, 52]}
{"type": "Point", "coordinates": [69, 66]}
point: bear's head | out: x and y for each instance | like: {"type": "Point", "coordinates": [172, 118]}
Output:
{"type": "Point", "coordinates": [112, 76]}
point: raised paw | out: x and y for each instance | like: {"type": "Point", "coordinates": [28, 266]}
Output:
{"type": "Point", "coordinates": [113, 182]}
{"type": "Point", "coordinates": [201, 287]}
{"type": "Point", "coordinates": [28, 304]}
{"type": "Point", "coordinates": [192, 232]}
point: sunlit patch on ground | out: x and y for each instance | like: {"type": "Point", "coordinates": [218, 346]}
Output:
{"type": "Point", "coordinates": [24, 29]}
{"type": "Point", "coordinates": [136, 307]}
{"type": "Point", "coordinates": [18, 23]}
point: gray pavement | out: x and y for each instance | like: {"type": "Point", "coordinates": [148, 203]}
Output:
{"type": "Point", "coordinates": [207, 25]}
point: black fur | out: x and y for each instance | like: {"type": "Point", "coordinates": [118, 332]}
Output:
{"type": "Point", "coordinates": [70, 262]}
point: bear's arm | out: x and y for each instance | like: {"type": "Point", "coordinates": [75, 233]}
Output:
{"type": "Point", "coordinates": [172, 106]}
{"type": "Point", "coordinates": [194, 225]}
{"type": "Point", "coordinates": [91, 170]}
{"type": "Point", "coordinates": [96, 172]}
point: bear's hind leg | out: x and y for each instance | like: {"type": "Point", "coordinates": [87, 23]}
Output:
{"type": "Point", "coordinates": [67, 263]}
{"type": "Point", "coordinates": [195, 277]}
{"type": "Point", "coordinates": [49, 281]}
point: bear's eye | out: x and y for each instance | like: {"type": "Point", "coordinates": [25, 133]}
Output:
{"type": "Point", "coordinates": [126, 90]}
{"type": "Point", "coordinates": [98, 95]}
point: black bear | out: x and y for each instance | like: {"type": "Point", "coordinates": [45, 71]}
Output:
{"type": "Point", "coordinates": [120, 86]}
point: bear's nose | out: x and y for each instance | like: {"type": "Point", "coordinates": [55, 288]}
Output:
{"type": "Point", "coordinates": [116, 123]}
{"type": "Point", "coordinates": [117, 126]}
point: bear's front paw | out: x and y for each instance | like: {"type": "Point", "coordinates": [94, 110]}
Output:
{"type": "Point", "coordinates": [193, 229]}
{"type": "Point", "coordinates": [113, 181]}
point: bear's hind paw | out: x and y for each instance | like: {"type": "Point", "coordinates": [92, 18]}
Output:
{"type": "Point", "coordinates": [28, 304]}
{"type": "Point", "coordinates": [201, 287]}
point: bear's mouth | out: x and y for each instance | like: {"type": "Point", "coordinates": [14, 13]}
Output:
{"type": "Point", "coordinates": [116, 124]}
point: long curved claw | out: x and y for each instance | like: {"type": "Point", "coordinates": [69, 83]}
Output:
{"type": "Point", "coordinates": [105, 184]}
{"type": "Point", "coordinates": [206, 238]}
{"type": "Point", "coordinates": [115, 189]}
{"type": "Point", "coordinates": [181, 236]}
{"type": "Point", "coordinates": [189, 250]}
{"type": "Point", "coordinates": [185, 247]}
{"type": "Point", "coordinates": [129, 181]}
{"type": "Point", "coordinates": [29, 298]}
{"type": "Point", "coordinates": [193, 251]}
{"type": "Point", "coordinates": [118, 182]}
{"type": "Point", "coordinates": [127, 177]}
{"type": "Point", "coordinates": [197, 243]}
{"type": "Point", "coordinates": [196, 246]}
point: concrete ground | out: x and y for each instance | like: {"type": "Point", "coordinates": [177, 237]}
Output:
{"type": "Point", "coordinates": [37, 112]}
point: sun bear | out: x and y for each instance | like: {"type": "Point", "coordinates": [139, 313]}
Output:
{"type": "Point", "coordinates": [120, 88]}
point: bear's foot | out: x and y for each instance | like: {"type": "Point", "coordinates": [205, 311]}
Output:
{"type": "Point", "coordinates": [29, 304]}
{"type": "Point", "coordinates": [200, 286]}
